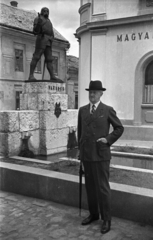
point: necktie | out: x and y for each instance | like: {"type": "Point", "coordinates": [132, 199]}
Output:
{"type": "Point", "coordinates": [93, 109]}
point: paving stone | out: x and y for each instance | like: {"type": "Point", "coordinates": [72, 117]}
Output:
{"type": "Point", "coordinates": [1, 218]}
{"type": "Point", "coordinates": [41, 204]}
{"type": "Point", "coordinates": [110, 235]}
{"type": "Point", "coordinates": [49, 215]}
{"type": "Point", "coordinates": [97, 234]}
{"type": "Point", "coordinates": [23, 220]}
{"type": "Point", "coordinates": [83, 237]}
{"type": "Point", "coordinates": [56, 219]}
{"type": "Point", "coordinates": [3, 195]}
{"type": "Point", "coordinates": [58, 233]}
{"type": "Point", "coordinates": [26, 238]}
{"type": "Point", "coordinates": [71, 234]}
{"type": "Point", "coordinates": [12, 198]}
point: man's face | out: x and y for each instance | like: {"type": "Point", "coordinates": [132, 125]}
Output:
{"type": "Point", "coordinates": [45, 12]}
{"type": "Point", "coordinates": [94, 96]}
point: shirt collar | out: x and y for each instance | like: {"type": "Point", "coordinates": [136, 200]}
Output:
{"type": "Point", "coordinates": [96, 105]}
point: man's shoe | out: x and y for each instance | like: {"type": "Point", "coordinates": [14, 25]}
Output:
{"type": "Point", "coordinates": [105, 227]}
{"type": "Point", "coordinates": [90, 219]}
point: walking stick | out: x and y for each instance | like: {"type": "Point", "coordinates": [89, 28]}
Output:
{"type": "Point", "coordinates": [81, 172]}
{"type": "Point", "coordinates": [43, 70]}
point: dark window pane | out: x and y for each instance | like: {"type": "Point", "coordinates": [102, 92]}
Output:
{"type": "Point", "coordinates": [18, 60]}
{"type": "Point", "coordinates": [55, 65]}
{"type": "Point", "coordinates": [18, 99]}
{"type": "Point", "coordinates": [149, 3]}
{"type": "Point", "coordinates": [76, 100]}
{"type": "Point", "coordinates": [149, 74]}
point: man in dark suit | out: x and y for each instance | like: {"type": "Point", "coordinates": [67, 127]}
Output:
{"type": "Point", "coordinates": [94, 141]}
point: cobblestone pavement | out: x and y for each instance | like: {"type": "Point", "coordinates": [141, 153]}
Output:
{"type": "Point", "coordinates": [24, 218]}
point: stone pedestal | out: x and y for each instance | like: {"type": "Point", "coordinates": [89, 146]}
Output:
{"type": "Point", "coordinates": [51, 101]}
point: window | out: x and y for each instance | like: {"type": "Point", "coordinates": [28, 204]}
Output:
{"type": "Point", "coordinates": [148, 91]}
{"type": "Point", "coordinates": [18, 99]}
{"type": "Point", "coordinates": [55, 65]}
{"type": "Point", "coordinates": [76, 100]}
{"type": "Point", "coordinates": [19, 60]}
{"type": "Point", "coordinates": [38, 67]}
{"type": "Point", "coordinates": [149, 3]}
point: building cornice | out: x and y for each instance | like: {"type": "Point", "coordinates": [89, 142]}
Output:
{"type": "Point", "coordinates": [83, 7]}
{"type": "Point", "coordinates": [98, 25]}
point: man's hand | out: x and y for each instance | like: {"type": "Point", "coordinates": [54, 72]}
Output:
{"type": "Point", "coordinates": [104, 140]}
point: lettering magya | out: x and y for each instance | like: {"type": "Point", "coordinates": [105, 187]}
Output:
{"type": "Point", "coordinates": [134, 36]}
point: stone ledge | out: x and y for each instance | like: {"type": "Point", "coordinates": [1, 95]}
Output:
{"type": "Point", "coordinates": [128, 202]}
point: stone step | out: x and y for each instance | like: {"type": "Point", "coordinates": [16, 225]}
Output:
{"type": "Point", "coordinates": [140, 133]}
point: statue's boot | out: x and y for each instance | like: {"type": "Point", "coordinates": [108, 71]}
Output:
{"type": "Point", "coordinates": [32, 69]}
{"type": "Point", "coordinates": [53, 78]}
{"type": "Point", "coordinates": [32, 78]}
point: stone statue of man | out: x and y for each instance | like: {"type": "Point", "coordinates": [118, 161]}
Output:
{"type": "Point", "coordinates": [43, 28]}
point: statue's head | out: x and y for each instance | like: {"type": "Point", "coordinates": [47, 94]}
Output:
{"type": "Point", "coordinates": [45, 12]}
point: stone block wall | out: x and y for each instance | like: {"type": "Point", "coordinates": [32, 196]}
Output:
{"type": "Point", "coordinates": [13, 125]}
{"type": "Point", "coordinates": [49, 132]}
{"type": "Point", "coordinates": [54, 131]}
{"type": "Point", "coordinates": [43, 127]}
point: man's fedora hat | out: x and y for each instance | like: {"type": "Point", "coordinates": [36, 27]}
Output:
{"type": "Point", "coordinates": [95, 85]}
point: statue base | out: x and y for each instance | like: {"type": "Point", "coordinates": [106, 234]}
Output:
{"type": "Point", "coordinates": [54, 80]}
{"type": "Point", "coordinates": [43, 95]}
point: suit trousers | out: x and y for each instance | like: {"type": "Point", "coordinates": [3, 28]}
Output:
{"type": "Point", "coordinates": [98, 188]}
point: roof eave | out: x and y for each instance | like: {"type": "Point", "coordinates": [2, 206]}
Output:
{"type": "Point", "coordinates": [30, 32]}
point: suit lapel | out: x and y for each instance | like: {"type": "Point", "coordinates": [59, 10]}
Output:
{"type": "Point", "coordinates": [99, 111]}
{"type": "Point", "coordinates": [90, 118]}
{"type": "Point", "coordinates": [86, 113]}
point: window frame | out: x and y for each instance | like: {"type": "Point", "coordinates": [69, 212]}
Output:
{"type": "Point", "coordinates": [17, 99]}
{"type": "Point", "coordinates": [148, 85]}
{"type": "Point", "coordinates": [19, 61]}
{"type": "Point", "coordinates": [57, 63]}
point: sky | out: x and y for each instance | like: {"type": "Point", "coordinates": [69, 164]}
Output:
{"type": "Point", "coordinates": [63, 15]}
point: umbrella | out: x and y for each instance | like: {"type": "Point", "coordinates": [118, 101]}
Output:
{"type": "Point", "coordinates": [81, 172]}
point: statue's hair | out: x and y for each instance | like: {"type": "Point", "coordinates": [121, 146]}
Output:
{"type": "Point", "coordinates": [43, 9]}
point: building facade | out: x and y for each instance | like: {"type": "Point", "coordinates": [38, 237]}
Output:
{"type": "Point", "coordinates": [17, 44]}
{"type": "Point", "coordinates": [116, 47]}
{"type": "Point", "coordinates": [72, 81]}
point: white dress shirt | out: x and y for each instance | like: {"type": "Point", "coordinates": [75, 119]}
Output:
{"type": "Point", "coordinates": [96, 105]}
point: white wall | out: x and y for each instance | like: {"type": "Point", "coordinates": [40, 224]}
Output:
{"type": "Point", "coordinates": [121, 62]}
{"type": "Point", "coordinates": [117, 69]}
{"type": "Point", "coordinates": [121, 8]}
{"type": "Point", "coordinates": [98, 57]}
{"type": "Point", "coordinates": [84, 68]}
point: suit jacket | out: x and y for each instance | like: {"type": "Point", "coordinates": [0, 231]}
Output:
{"type": "Point", "coordinates": [94, 126]}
